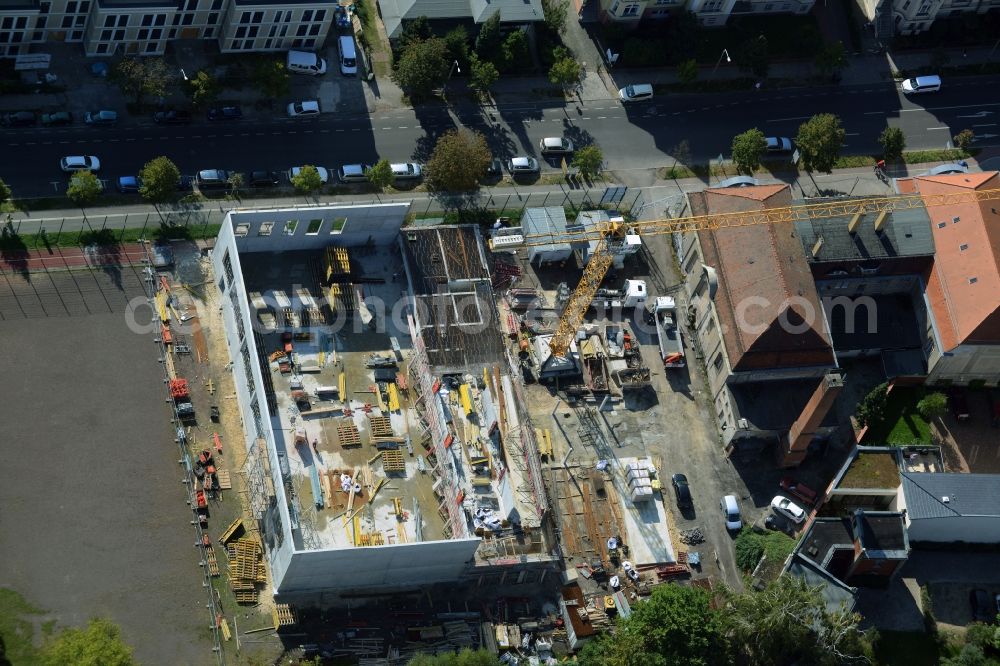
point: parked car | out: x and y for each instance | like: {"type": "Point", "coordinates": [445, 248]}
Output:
{"type": "Point", "coordinates": [17, 119]}
{"type": "Point", "coordinates": [353, 173]}
{"type": "Point", "coordinates": [778, 144]}
{"type": "Point", "coordinates": [921, 84]}
{"type": "Point", "coordinates": [172, 117]}
{"type": "Point", "coordinates": [263, 179]}
{"type": "Point", "coordinates": [783, 506]}
{"type": "Point", "coordinates": [731, 511]}
{"type": "Point", "coordinates": [495, 168]}
{"type": "Point", "coordinates": [982, 609]}
{"type": "Point", "coordinates": [959, 405]}
{"type": "Point", "coordinates": [681, 491]}
{"type": "Point", "coordinates": [307, 108]}
{"type": "Point", "coordinates": [80, 163]}
{"type": "Point", "coordinates": [324, 175]}
{"type": "Point", "coordinates": [406, 171]}
{"type": "Point", "coordinates": [793, 487]}
{"type": "Point", "coordinates": [57, 118]}
{"type": "Point", "coordinates": [103, 117]}
{"type": "Point", "coordinates": [522, 164]}
{"type": "Point", "coordinates": [129, 184]}
{"type": "Point", "coordinates": [212, 179]}
{"type": "Point", "coordinates": [636, 92]}
{"type": "Point", "coordinates": [555, 145]}
{"type": "Point", "coordinates": [185, 183]}
{"type": "Point", "coordinates": [225, 113]}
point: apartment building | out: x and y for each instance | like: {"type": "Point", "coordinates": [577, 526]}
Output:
{"type": "Point", "coordinates": [143, 27]}
{"type": "Point", "coordinates": [709, 12]}
{"type": "Point", "coordinates": [909, 17]}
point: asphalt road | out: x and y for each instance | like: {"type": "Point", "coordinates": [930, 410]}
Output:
{"type": "Point", "coordinates": [638, 137]}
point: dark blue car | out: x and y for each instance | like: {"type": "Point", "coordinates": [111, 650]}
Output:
{"type": "Point", "coordinates": [225, 113]}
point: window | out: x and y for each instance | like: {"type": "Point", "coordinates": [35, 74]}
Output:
{"type": "Point", "coordinates": [257, 422]}
{"type": "Point", "coordinates": [188, 19]}
{"type": "Point", "coordinates": [40, 23]}
{"type": "Point", "coordinates": [151, 47]}
{"type": "Point", "coordinates": [85, 7]}
{"type": "Point", "coordinates": [301, 32]}
{"type": "Point", "coordinates": [227, 266]}
{"type": "Point", "coordinates": [314, 29]}
{"type": "Point", "coordinates": [717, 361]}
{"type": "Point", "coordinates": [252, 33]}
{"type": "Point", "coordinates": [973, 280]}
{"type": "Point", "coordinates": [338, 225]}
{"type": "Point", "coordinates": [71, 7]}
{"type": "Point", "coordinates": [942, 225]}
{"type": "Point", "coordinates": [123, 20]}
{"type": "Point", "coordinates": [143, 35]}
{"type": "Point", "coordinates": [268, 42]}
{"type": "Point", "coordinates": [265, 229]}
{"type": "Point", "coordinates": [314, 227]}
{"type": "Point", "coordinates": [172, 33]}
{"type": "Point", "coordinates": [241, 32]}
{"type": "Point", "coordinates": [216, 5]}
{"type": "Point", "coordinates": [76, 35]}
{"type": "Point", "coordinates": [102, 48]}
{"type": "Point", "coordinates": [245, 17]}
{"type": "Point", "coordinates": [709, 326]}
{"type": "Point", "coordinates": [38, 36]}
{"type": "Point", "coordinates": [156, 34]}
{"type": "Point", "coordinates": [309, 43]}
{"type": "Point", "coordinates": [307, 16]}
{"type": "Point", "coordinates": [289, 228]}
{"type": "Point", "coordinates": [79, 22]}
{"type": "Point", "coordinates": [161, 20]}
{"type": "Point", "coordinates": [44, 7]}
{"type": "Point", "coordinates": [213, 19]}
{"type": "Point", "coordinates": [109, 21]}
{"type": "Point", "coordinates": [963, 247]}
{"type": "Point", "coordinates": [177, 19]}
{"type": "Point", "coordinates": [320, 15]}
{"type": "Point", "coordinates": [956, 220]}
{"type": "Point", "coordinates": [22, 22]}
{"type": "Point", "coordinates": [234, 45]}
{"type": "Point", "coordinates": [258, 17]}
{"type": "Point", "coordinates": [119, 35]}
{"type": "Point", "coordinates": [209, 33]}
{"type": "Point", "coordinates": [147, 20]}
{"type": "Point", "coordinates": [67, 22]}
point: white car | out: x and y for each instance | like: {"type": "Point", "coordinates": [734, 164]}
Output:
{"type": "Point", "coordinates": [731, 511]}
{"type": "Point", "coordinates": [779, 144]}
{"type": "Point", "coordinates": [324, 175]}
{"type": "Point", "coordinates": [307, 108]}
{"type": "Point", "coordinates": [406, 171]}
{"type": "Point", "coordinates": [80, 163]}
{"type": "Point", "coordinates": [555, 145]}
{"type": "Point", "coordinates": [522, 164]}
{"type": "Point", "coordinates": [783, 506]}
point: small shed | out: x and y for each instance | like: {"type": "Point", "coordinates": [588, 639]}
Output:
{"type": "Point", "coordinates": [546, 221]}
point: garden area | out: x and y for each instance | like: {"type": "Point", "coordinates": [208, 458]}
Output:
{"type": "Point", "coordinates": [898, 419]}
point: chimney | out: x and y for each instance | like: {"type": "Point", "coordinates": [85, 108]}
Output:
{"type": "Point", "coordinates": [802, 431]}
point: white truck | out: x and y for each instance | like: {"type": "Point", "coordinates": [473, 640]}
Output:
{"type": "Point", "coordinates": [668, 335]}
{"type": "Point", "coordinates": [631, 295]}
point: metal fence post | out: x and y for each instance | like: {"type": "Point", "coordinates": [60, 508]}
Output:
{"type": "Point", "coordinates": [545, 199]}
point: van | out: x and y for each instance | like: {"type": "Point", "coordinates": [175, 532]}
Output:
{"type": "Point", "coordinates": [348, 56]}
{"type": "Point", "coordinates": [636, 92]}
{"type": "Point", "coordinates": [921, 84]}
{"type": "Point", "coordinates": [353, 173]}
{"type": "Point", "coordinates": [731, 512]}
{"type": "Point", "coordinates": [303, 62]}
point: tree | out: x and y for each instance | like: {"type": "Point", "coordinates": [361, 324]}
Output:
{"type": "Point", "coordinates": [203, 88]}
{"type": "Point", "coordinates": [380, 175]}
{"type": "Point", "coordinates": [84, 187]}
{"type": "Point", "coordinates": [893, 143]}
{"type": "Point", "coordinates": [964, 139]}
{"type": "Point", "coordinates": [272, 79]}
{"type": "Point", "coordinates": [139, 77]}
{"type": "Point", "coordinates": [871, 409]}
{"type": "Point", "coordinates": [819, 142]}
{"type": "Point", "coordinates": [588, 160]}
{"type": "Point", "coordinates": [417, 30]}
{"type": "Point", "coordinates": [933, 405]}
{"type": "Point", "coordinates": [516, 53]}
{"type": "Point", "coordinates": [748, 148]}
{"type": "Point", "coordinates": [565, 70]}
{"type": "Point", "coordinates": [235, 182]}
{"type": "Point", "coordinates": [457, 40]}
{"type": "Point", "coordinates": [754, 56]}
{"type": "Point", "coordinates": [307, 180]}
{"type": "Point", "coordinates": [422, 67]}
{"type": "Point", "coordinates": [5, 192]}
{"type": "Point", "coordinates": [464, 658]}
{"type": "Point", "coordinates": [971, 655]}
{"type": "Point", "coordinates": [488, 40]}
{"type": "Point", "coordinates": [675, 625]}
{"type": "Point", "coordinates": [555, 12]}
{"type": "Point", "coordinates": [159, 179]}
{"type": "Point", "coordinates": [687, 71]}
{"type": "Point", "coordinates": [831, 58]}
{"type": "Point", "coordinates": [787, 622]}
{"type": "Point", "coordinates": [99, 644]}
{"type": "Point", "coordinates": [483, 74]}
{"type": "Point", "coordinates": [459, 161]}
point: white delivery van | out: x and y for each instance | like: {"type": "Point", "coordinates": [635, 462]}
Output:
{"type": "Point", "coordinates": [636, 92]}
{"type": "Point", "coordinates": [348, 56]}
{"type": "Point", "coordinates": [303, 62]}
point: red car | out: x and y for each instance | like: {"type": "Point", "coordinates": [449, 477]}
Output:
{"type": "Point", "coordinates": [793, 487]}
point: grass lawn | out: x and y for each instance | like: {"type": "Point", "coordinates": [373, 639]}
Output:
{"type": "Point", "coordinates": [905, 647]}
{"type": "Point", "coordinates": [872, 470]}
{"type": "Point", "coordinates": [903, 425]}
{"type": "Point", "coordinates": [108, 236]}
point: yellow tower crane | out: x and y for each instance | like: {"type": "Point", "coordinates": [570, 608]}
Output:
{"type": "Point", "coordinates": [609, 236]}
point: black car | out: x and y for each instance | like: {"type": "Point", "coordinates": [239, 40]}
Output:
{"type": "Point", "coordinates": [263, 179]}
{"type": "Point", "coordinates": [225, 113]}
{"type": "Point", "coordinates": [185, 183]}
{"type": "Point", "coordinates": [681, 491]}
{"type": "Point", "coordinates": [18, 119]}
{"type": "Point", "coordinates": [212, 179]}
{"type": "Point", "coordinates": [982, 609]}
{"type": "Point", "coordinates": [172, 117]}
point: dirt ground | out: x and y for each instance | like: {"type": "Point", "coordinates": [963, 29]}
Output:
{"type": "Point", "coordinates": [93, 519]}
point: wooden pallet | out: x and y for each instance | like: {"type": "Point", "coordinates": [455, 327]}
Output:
{"type": "Point", "coordinates": [225, 480]}
{"type": "Point", "coordinates": [246, 596]}
{"type": "Point", "coordinates": [381, 426]}
{"type": "Point", "coordinates": [348, 436]}
{"type": "Point", "coordinates": [371, 539]}
{"type": "Point", "coordinates": [284, 615]}
{"type": "Point", "coordinates": [213, 563]}
{"type": "Point", "coordinates": [392, 461]}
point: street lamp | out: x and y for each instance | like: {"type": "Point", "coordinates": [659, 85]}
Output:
{"type": "Point", "coordinates": [454, 68]}
{"type": "Point", "coordinates": [724, 54]}
{"type": "Point", "coordinates": [184, 74]}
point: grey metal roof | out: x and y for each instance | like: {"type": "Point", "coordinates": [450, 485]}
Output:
{"type": "Point", "coordinates": [967, 494]}
{"type": "Point", "coordinates": [541, 221]}
{"type": "Point", "coordinates": [906, 233]}
{"type": "Point", "coordinates": [511, 11]}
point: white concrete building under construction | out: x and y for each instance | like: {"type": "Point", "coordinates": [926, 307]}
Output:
{"type": "Point", "coordinates": [388, 446]}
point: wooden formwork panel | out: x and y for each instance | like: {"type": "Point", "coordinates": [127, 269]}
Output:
{"type": "Point", "coordinates": [381, 426]}
{"type": "Point", "coordinates": [392, 461]}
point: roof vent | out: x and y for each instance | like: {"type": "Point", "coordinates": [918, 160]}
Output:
{"type": "Point", "coordinates": [945, 499]}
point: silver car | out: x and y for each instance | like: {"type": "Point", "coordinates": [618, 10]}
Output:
{"type": "Point", "coordinates": [80, 163]}
{"type": "Point", "coordinates": [778, 144]}
{"type": "Point", "coordinates": [406, 171]}
{"type": "Point", "coordinates": [522, 164]}
{"type": "Point", "coordinates": [555, 145]}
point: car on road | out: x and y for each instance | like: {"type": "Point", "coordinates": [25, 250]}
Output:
{"type": "Point", "coordinates": [57, 118]}
{"type": "Point", "coordinates": [783, 506]}
{"type": "Point", "coordinates": [793, 487]}
{"type": "Point", "coordinates": [17, 119]}
{"type": "Point", "coordinates": [681, 491]}
{"type": "Point", "coordinates": [406, 171]}
{"type": "Point", "coordinates": [212, 179]}
{"type": "Point", "coordinates": [982, 609]}
{"type": "Point", "coordinates": [103, 117]}
{"type": "Point", "coordinates": [522, 164]}
{"type": "Point", "coordinates": [263, 179]}
{"type": "Point", "coordinates": [309, 107]}
{"type": "Point", "coordinates": [778, 144]}
{"type": "Point", "coordinates": [921, 84]}
{"type": "Point", "coordinates": [225, 113]}
{"type": "Point", "coordinates": [324, 175]}
{"type": "Point", "coordinates": [129, 184]}
{"type": "Point", "coordinates": [555, 145]}
{"type": "Point", "coordinates": [636, 92]}
{"type": "Point", "coordinates": [172, 117]}
{"type": "Point", "coordinates": [731, 512]}
{"type": "Point", "coordinates": [80, 163]}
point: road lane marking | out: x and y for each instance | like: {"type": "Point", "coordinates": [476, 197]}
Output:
{"type": "Point", "coordinates": [402, 127]}
{"type": "Point", "coordinates": [938, 128]}
{"type": "Point", "coordinates": [987, 125]}
{"type": "Point", "coordinates": [781, 120]}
